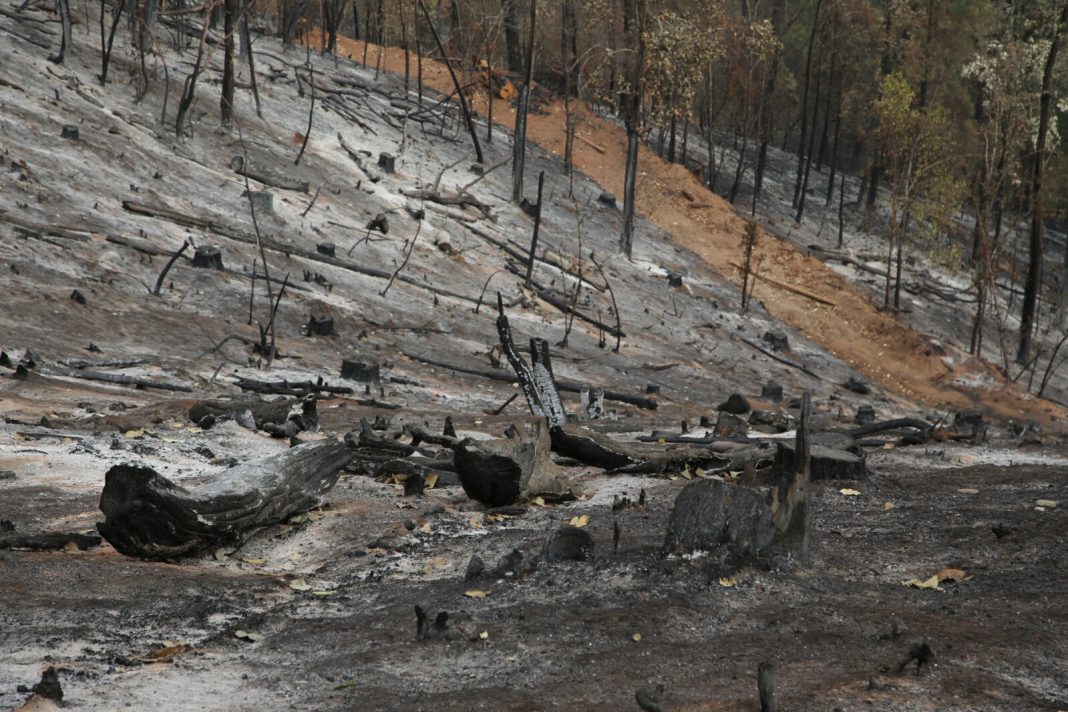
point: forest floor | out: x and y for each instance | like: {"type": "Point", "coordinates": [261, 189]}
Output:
{"type": "Point", "coordinates": [330, 595]}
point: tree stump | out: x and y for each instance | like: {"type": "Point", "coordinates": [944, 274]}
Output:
{"type": "Point", "coordinates": [607, 199]}
{"type": "Point", "coordinates": [321, 325]}
{"type": "Point", "coordinates": [262, 201]}
{"type": "Point", "coordinates": [326, 248]}
{"type": "Point", "coordinates": [772, 391]}
{"type": "Point", "coordinates": [827, 463]}
{"type": "Point", "coordinates": [148, 516]}
{"type": "Point", "coordinates": [730, 425]}
{"type": "Point", "coordinates": [358, 370]}
{"type": "Point", "coordinates": [568, 544]}
{"type": "Point", "coordinates": [736, 404]}
{"type": "Point", "coordinates": [865, 415]}
{"type": "Point", "coordinates": [387, 162]}
{"type": "Point", "coordinates": [70, 132]}
{"type": "Point", "coordinates": [777, 340]}
{"type": "Point", "coordinates": [741, 524]}
{"type": "Point", "coordinates": [502, 472]}
{"type": "Point", "coordinates": [379, 222]}
{"type": "Point", "coordinates": [208, 257]}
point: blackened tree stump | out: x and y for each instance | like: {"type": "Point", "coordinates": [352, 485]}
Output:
{"type": "Point", "coordinates": [150, 517]}
{"type": "Point", "coordinates": [208, 257]}
{"type": "Point", "coordinates": [321, 325]}
{"type": "Point", "coordinates": [502, 472]}
{"type": "Point", "coordinates": [358, 370]}
{"type": "Point", "coordinates": [742, 524]}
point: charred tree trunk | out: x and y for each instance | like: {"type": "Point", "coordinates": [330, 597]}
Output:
{"type": "Point", "coordinates": [511, 37]}
{"type": "Point", "coordinates": [1033, 284]}
{"type": "Point", "coordinates": [519, 145]}
{"type": "Point", "coordinates": [226, 102]}
{"type": "Point", "coordinates": [148, 516]}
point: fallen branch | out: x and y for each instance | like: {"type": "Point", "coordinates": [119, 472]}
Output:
{"type": "Point", "coordinates": [167, 267]}
{"type": "Point", "coordinates": [788, 287]}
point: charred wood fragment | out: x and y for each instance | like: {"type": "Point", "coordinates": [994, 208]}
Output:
{"type": "Point", "coordinates": [49, 541]}
{"type": "Point", "coordinates": [151, 517]}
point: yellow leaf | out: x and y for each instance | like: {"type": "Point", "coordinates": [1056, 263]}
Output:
{"type": "Point", "coordinates": [849, 492]}
{"type": "Point", "coordinates": [636, 637]}
{"type": "Point", "coordinates": [580, 521]}
{"type": "Point", "coordinates": [425, 528]}
{"type": "Point", "coordinates": [323, 593]}
{"type": "Point", "coordinates": [474, 522]}
{"type": "Point", "coordinates": [134, 433]}
{"type": "Point", "coordinates": [220, 555]}
{"type": "Point", "coordinates": [728, 581]}
{"type": "Point", "coordinates": [538, 502]}
{"type": "Point", "coordinates": [968, 490]}
{"type": "Point", "coordinates": [299, 585]}
{"type": "Point", "coordinates": [888, 506]}
{"type": "Point", "coordinates": [168, 650]}
{"type": "Point", "coordinates": [71, 548]}
{"type": "Point", "coordinates": [951, 575]}
{"type": "Point", "coordinates": [247, 635]}
{"type": "Point", "coordinates": [430, 480]}
{"type": "Point", "coordinates": [484, 635]}
{"type": "Point", "coordinates": [931, 583]}
{"type": "Point", "coordinates": [474, 593]}
{"type": "Point", "coordinates": [1046, 503]}
{"type": "Point", "coordinates": [255, 562]}
{"type": "Point", "coordinates": [888, 446]}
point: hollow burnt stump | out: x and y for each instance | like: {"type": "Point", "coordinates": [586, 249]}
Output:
{"type": "Point", "coordinates": [208, 257]}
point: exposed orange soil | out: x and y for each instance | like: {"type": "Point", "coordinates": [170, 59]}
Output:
{"type": "Point", "coordinates": [875, 343]}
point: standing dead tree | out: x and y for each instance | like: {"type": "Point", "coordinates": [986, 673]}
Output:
{"type": "Point", "coordinates": [519, 145]}
{"type": "Point", "coordinates": [460, 95]}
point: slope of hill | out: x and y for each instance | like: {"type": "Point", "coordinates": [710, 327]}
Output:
{"type": "Point", "coordinates": [90, 219]}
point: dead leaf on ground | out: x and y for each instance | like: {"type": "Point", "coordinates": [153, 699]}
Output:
{"type": "Point", "coordinates": [887, 506]}
{"type": "Point", "coordinates": [430, 481]}
{"type": "Point", "coordinates": [249, 636]}
{"type": "Point", "coordinates": [168, 650]}
{"type": "Point", "coordinates": [299, 585]}
{"type": "Point", "coordinates": [580, 521]}
{"type": "Point", "coordinates": [931, 583]}
{"type": "Point", "coordinates": [134, 433]}
{"type": "Point", "coordinates": [323, 593]}
{"type": "Point", "coordinates": [728, 581]}
{"type": "Point", "coordinates": [71, 548]}
{"type": "Point", "coordinates": [255, 562]}
{"type": "Point", "coordinates": [1047, 503]}
{"type": "Point", "coordinates": [849, 492]}
{"type": "Point", "coordinates": [636, 637]}
{"type": "Point", "coordinates": [950, 575]}
{"type": "Point", "coordinates": [968, 490]}
{"type": "Point", "coordinates": [538, 501]}
{"type": "Point", "coordinates": [475, 593]}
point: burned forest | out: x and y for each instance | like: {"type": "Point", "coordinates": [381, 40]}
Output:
{"type": "Point", "coordinates": [652, 355]}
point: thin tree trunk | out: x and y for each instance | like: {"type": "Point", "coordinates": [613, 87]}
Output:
{"type": "Point", "coordinates": [226, 101]}
{"type": "Point", "coordinates": [1034, 273]}
{"type": "Point", "coordinates": [804, 100]}
{"type": "Point", "coordinates": [519, 144]}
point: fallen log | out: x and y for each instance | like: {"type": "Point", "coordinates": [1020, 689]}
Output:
{"type": "Point", "coordinates": [291, 388]}
{"type": "Point", "coordinates": [49, 541]}
{"type": "Point", "coordinates": [267, 176]}
{"type": "Point", "coordinates": [285, 416]}
{"type": "Point", "coordinates": [148, 516]}
{"type": "Point", "coordinates": [498, 375]}
{"type": "Point", "coordinates": [922, 425]}
{"type": "Point", "coordinates": [592, 448]}
{"type": "Point", "coordinates": [116, 378]}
